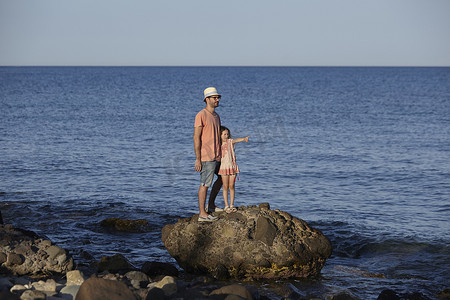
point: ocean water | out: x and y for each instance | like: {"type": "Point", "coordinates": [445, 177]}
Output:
{"type": "Point", "coordinates": [362, 154]}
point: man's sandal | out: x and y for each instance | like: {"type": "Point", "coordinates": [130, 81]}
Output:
{"type": "Point", "coordinates": [209, 218]}
{"type": "Point", "coordinates": [233, 209]}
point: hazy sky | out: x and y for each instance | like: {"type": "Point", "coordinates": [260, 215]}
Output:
{"type": "Point", "coordinates": [232, 32]}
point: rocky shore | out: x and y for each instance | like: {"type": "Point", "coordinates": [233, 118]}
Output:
{"type": "Point", "coordinates": [35, 268]}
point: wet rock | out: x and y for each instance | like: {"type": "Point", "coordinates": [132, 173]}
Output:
{"type": "Point", "coordinates": [255, 242]}
{"type": "Point", "coordinates": [126, 225]}
{"type": "Point", "coordinates": [98, 288]}
{"type": "Point", "coordinates": [114, 263]}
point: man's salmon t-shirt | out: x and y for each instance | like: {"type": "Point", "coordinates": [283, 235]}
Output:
{"type": "Point", "coordinates": [210, 139]}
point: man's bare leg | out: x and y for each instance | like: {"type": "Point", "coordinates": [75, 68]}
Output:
{"type": "Point", "coordinates": [214, 191]}
{"type": "Point", "coordinates": [202, 190]}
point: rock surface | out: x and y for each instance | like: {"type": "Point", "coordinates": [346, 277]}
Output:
{"type": "Point", "coordinates": [254, 242]}
{"type": "Point", "coordinates": [23, 253]}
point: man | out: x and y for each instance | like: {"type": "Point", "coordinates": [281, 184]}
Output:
{"type": "Point", "coordinates": [208, 152]}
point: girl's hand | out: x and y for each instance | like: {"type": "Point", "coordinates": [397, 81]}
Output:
{"type": "Point", "coordinates": [246, 138]}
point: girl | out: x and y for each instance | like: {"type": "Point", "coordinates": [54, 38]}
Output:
{"type": "Point", "coordinates": [228, 167]}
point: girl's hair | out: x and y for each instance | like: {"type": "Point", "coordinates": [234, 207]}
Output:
{"type": "Point", "coordinates": [222, 129]}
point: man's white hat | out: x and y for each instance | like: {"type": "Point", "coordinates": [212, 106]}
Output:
{"type": "Point", "coordinates": [211, 91]}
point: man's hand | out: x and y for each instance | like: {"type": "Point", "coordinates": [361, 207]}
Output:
{"type": "Point", "coordinates": [198, 165]}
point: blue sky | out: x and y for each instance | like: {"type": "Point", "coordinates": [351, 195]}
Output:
{"type": "Point", "coordinates": [225, 33]}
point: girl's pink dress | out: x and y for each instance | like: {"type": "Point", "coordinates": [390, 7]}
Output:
{"type": "Point", "coordinates": [228, 164]}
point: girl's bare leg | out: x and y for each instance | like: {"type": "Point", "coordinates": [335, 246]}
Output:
{"type": "Point", "coordinates": [231, 186]}
{"type": "Point", "coordinates": [225, 181]}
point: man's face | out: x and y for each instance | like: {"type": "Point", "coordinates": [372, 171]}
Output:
{"type": "Point", "coordinates": [213, 100]}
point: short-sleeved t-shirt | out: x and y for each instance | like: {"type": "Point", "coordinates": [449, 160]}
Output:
{"type": "Point", "coordinates": [210, 149]}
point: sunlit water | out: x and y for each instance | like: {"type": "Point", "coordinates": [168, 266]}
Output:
{"type": "Point", "coordinates": [360, 153]}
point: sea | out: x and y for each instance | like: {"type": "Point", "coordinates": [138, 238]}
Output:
{"type": "Point", "coordinates": [360, 153]}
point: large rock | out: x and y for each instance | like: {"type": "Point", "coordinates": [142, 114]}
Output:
{"type": "Point", "coordinates": [97, 288]}
{"type": "Point", "coordinates": [22, 252]}
{"type": "Point", "coordinates": [255, 242]}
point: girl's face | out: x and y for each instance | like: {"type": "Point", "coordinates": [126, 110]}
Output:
{"type": "Point", "coordinates": [225, 135]}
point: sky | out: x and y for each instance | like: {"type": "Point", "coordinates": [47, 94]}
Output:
{"type": "Point", "coordinates": [225, 33]}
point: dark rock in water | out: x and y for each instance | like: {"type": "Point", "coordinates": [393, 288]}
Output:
{"type": "Point", "coordinates": [114, 263]}
{"type": "Point", "coordinates": [344, 296]}
{"type": "Point", "coordinates": [445, 294]}
{"type": "Point", "coordinates": [254, 242]}
{"type": "Point", "coordinates": [154, 268]}
{"type": "Point", "coordinates": [22, 252]}
{"type": "Point", "coordinates": [126, 225]}
{"type": "Point", "coordinates": [388, 295]}
{"type": "Point", "coordinates": [98, 288]}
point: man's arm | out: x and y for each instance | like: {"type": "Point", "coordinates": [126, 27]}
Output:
{"type": "Point", "coordinates": [198, 147]}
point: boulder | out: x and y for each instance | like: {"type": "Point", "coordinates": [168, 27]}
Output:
{"type": "Point", "coordinates": [254, 242]}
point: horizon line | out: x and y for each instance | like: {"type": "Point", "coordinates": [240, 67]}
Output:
{"type": "Point", "coordinates": [232, 66]}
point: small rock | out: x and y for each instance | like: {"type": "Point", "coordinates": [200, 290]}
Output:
{"type": "Point", "coordinates": [3, 257]}
{"type": "Point", "coordinates": [69, 291]}
{"type": "Point", "coordinates": [54, 251]}
{"type": "Point", "coordinates": [33, 295]}
{"type": "Point", "coordinates": [75, 277]}
{"type": "Point", "coordinates": [19, 287]}
{"type": "Point", "coordinates": [14, 259]}
{"type": "Point", "coordinates": [234, 289]}
{"type": "Point", "coordinates": [167, 284]}
{"type": "Point", "coordinates": [45, 286]}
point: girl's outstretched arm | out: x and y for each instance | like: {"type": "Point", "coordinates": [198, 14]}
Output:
{"type": "Point", "coordinates": [240, 140]}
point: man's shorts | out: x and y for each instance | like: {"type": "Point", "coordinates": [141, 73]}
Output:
{"type": "Point", "coordinates": [209, 168]}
